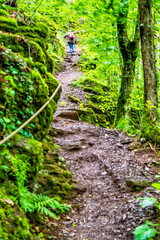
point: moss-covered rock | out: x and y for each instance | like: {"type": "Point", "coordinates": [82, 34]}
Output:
{"type": "Point", "coordinates": [26, 83]}
{"type": "Point", "coordinates": [98, 109]}
{"type": "Point", "coordinates": [54, 179]}
{"type": "Point", "coordinates": [9, 21]}
{"type": "Point", "coordinates": [8, 24]}
{"type": "Point", "coordinates": [13, 222]}
{"type": "Point", "coordinates": [3, 13]}
{"type": "Point", "coordinates": [33, 31]}
{"type": "Point", "coordinates": [73, 99]}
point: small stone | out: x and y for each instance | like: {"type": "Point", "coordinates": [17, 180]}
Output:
{"type": "Point", "coordinates": [138, 183]}
{"type": "Point", "coordinates": [147, 169]}
{"type": "Point", "coordinates": [119, 145]}
{"type": "Point", "coordinates": [128, 229]}
{"type": "Point", "coordinates": [103, 173]}
{"type": "Point", "coordinates": [67, 222]}
{"type": "Point", "coordinates": [143, 140]}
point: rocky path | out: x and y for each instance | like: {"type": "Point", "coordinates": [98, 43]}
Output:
{"type": "Point", "coordinates": [105, 172]}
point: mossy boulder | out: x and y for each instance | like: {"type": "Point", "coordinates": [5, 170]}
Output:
{"type": "Point", "coordinates": [26, 83]}
{"type": "Point", "coordinates": [73, 99]}
{"type": "Point", "coordinates": [8, 24]}
{"type": "Point", "coordinates": [99, 109]}
{"type": "Point", "coordinates": [3, 13]}
{"type": "Point", "coordinates": [33, 31]}
{"type": "Point", "coordinates": [28, 152]}
{"type": "Point", "coordinates": [13, 222]}
{"type": "Point", "coordinates": [32, 87]}
{"type": "Point", "coordinates": [54, 179]}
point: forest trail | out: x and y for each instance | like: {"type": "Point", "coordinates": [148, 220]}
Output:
{"type": "Point", "coordinates": [103, 168]}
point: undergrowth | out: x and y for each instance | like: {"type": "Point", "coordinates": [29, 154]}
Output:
{"type": "Point", "coordinates": [30, 202]}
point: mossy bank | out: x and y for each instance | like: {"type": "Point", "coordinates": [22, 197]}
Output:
{"type": "Point", "coordinates": [29, 163]}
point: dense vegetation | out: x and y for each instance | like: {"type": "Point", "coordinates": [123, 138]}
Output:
{"type": "Point", "coordinates": [31, 50]}
{"type": "Point", "coordinates": [33, 178]}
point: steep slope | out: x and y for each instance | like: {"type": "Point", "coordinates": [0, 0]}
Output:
{"type": "Point", "coordinates": [29, 164]}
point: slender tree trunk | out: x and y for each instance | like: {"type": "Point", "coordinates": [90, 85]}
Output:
{"type": "Point", "coordinates": [127, 81]}
{"type": "Point", "coordinates": [129, 51]}
{"type": "Point", "coordinates": [150, 113]}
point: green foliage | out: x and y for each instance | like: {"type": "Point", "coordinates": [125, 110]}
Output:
{"type": "Point", "coordinates": [145, 231]}
{"type": "Point", "coordinates": [100, 100]}
{"type": "Point", "coordinates": [3, 13]}
{"type": "Point", "coordinates": [26, 82]}
{"type": "Point", "coordinates": [10, 21]}
{"type": "Point", "coordinates": [32, 203]}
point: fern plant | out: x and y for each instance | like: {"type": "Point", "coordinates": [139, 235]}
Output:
{"type": "Point", "coordinates": [32, 202]}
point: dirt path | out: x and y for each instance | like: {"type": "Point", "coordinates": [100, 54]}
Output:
{"type": "Point", "coordinates": [103, 167]}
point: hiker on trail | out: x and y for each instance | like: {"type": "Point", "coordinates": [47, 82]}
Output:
{"type": "Point", "coordinates": [70, 37]}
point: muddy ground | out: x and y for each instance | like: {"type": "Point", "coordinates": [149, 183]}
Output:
{"type": "Point", "coordinates": [107, 172]}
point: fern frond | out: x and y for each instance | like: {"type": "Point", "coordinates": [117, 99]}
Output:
{"type": "Point", "coordinates": [32, 202]}
{"type": "Point", "coordinates": [46, 211]}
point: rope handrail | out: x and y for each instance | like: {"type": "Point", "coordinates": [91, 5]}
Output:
{"type": "Point", "coordinates": [31, 118]}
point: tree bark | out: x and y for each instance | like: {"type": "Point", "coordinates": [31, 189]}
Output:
{"type": "Point", "coordinates": [150, 113]}
{"type": "Point", "coordinates": [129, 51]}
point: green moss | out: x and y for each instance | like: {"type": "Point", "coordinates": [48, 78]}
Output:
{"type": "Point", "coordinates": [41, 68]}
{"type": "Point", "coordinates": [3, 13]}
{"type": "Point", "coordinates": [16, 43]}
{"type": "Point", "coordinates": [66, 186]}
{"type": "Point", "coordinates": [90, 84]}
{"type": "Point", "coordinates": [52, 83]}
{"type": "Point", "coordinates": [22, 23]}
{"type": "Point", "coordinates": [2, 215]}
{"type": "Point", "coordinates": [7, 28]}
{"type": "Point", "coordinates": [42, 88]}
{"type": "Point", "coordinates": [50, 63]}
{"type": "Point", "coordinates": [31, 152]}
{"type": "Point", "coordinates": [42, 43]}
{"type": "Point", "coordinates": [25, 48]}
{"type": "Point", "coordinates": [73, 99]}
{"type": "Point", "coordinates": [33, 83]}
{"type": "Point", "coordinates": [36, 52]}
{"type": "Point", "coordinates": [42, 29]}
{"type": "Point", "coordinates": [14, 224]}
{"type": "Point", "coordinates": [67, 174]}
{"type": "Point", "coordinates": [34, 31]}
{"type": "Point", "coordinates": [9, 21]}
{"type": "Point", "coordinates": [27, 31]}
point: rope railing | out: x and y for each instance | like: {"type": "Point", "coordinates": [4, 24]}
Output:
{"type": "Point", "coordinates": [31, 118]}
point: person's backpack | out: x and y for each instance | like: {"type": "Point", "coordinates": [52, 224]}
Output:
{"type": "Point", "coordinates": [71, 37]}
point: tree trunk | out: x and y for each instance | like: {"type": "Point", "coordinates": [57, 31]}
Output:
{"type": "Point", "coordinates": [150, 113]}
{"type": "Point", "coordinates": [129, 51]}
{"type": "Point", "coordinates": [127, 81]}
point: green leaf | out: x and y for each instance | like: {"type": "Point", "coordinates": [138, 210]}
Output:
{"type": "Point", "coordinates": [144, 232]}
{"type": "Point", "coordinates": [15, 71]}
{"type": "Point", "coordinates": [4, 167]}
{"type": "Point", "coordinates": [19, 122]}
{"type": "Point", "coordinates": [148, 202]}
{"type": "Point", "coordinates": [7, 120]}
{"type": "Point", "coordinates": [156, 185]}
{"type": "Point", "coordinates": [151, 224]}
